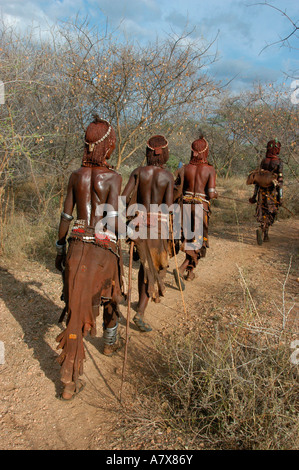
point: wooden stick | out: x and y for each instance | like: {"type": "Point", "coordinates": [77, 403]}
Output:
{"type": "Point", "coordinates": [232, 199]}
{"type": "Point", "coordinates": [128, 317]}
{"type": "Point", "coordinates": [177, 268]}
{"type": "Point", "coordinates": [280, 205]}
{"type": "Point", "coordinates": [246, 202]}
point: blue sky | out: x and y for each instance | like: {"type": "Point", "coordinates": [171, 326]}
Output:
{"type": "Point", "coordinates": [242, 29]}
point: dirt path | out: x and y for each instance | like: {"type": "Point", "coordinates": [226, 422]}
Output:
{"type": "Point", "coordinates": [31, 416]}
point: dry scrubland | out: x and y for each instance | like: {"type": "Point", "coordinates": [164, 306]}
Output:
{"type": "Point", "coordinates": [221, 376]}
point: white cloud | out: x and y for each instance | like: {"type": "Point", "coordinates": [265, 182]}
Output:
{"type": "Point", "coordinates": [140, 11]}
{"type": "Point", "coordinates": [242, 74]}
{"type": "Point", "coordinates": [243, 29]}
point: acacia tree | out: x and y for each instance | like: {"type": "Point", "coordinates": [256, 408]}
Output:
{"type": "Point", "coordinates": [240, 126]}
{"type": "Point", "coordinates": [138, 88]}
{"type": "Point", "coordinates": [39, 131]}
{"type": "Point", "coordinates": [53, 85]}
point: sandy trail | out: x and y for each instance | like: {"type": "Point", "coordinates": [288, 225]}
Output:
{"type": "Point", "coordinates": [31, 415]}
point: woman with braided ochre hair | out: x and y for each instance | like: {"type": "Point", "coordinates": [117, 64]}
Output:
{"type": "Point", "coordinates": [148, 185]}
{"type": "Point", "coordinates": [91, 266]}
{"type": "Point", "coordinates": [195, 184]}
{"type": "Point", "coordinates": [268, 180]}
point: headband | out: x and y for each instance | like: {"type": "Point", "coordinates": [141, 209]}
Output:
{"type": "Point", "coordinates": [91, 145]}
{"type": "Point", "coordinates": [196, 152]}
{"type": "Point", "coordinates": [160, 147]}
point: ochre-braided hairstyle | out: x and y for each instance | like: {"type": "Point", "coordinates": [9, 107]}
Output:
{"type": "Point", "coordinates": [157, 151]}
{"type": "Point", "coordinates": [199, 150]}
{"type": "Point", "coordinates": [100, 141]}
{"type": "Point", "coordinates": [273, 148]}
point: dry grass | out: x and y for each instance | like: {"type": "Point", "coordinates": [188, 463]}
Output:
{"type": "Point", "coordinates": [231, 395]}
{"type": "Point", "coordinates": [24, 240]}
{"type": "Point", "coordinates": [228, 391]}
{"type": "Point", "coordinates": [232, 205]}
{"type": "Point", "coordinates": [232, 386]}
{"type": "Point", "coordinates": [29, 229]}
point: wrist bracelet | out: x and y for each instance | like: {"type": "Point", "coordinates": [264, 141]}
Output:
{"type": "Point", "coordinates": [61, 249]}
